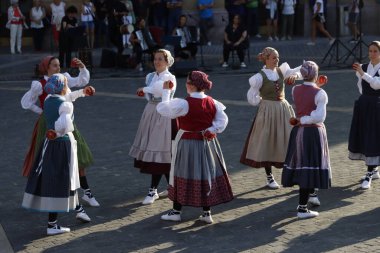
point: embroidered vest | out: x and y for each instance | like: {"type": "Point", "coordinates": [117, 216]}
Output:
{"type": "Point", "coordinates": [272, 90]}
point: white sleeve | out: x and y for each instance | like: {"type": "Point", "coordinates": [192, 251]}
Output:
{"type": "Point", "coordinates": [359, 83]}
{"type": "Point", "coordinates": [221, 120]}
{"type": "Point", "coordinates": [64, 123]}
{"type": "Point", "coordinates": [319, 114]}
{"type": "Point", "coordinates": [173, 108]}
{"type": "Point", "coordinates": [253, 95]}
{"type": "Point", "coordinates": [287, 71]}
{"type": "Point", "coordinates": [374, 81]}
{"type": "Point", "coordinates": [81, 80]}
{"type": "Point", "coordinates": [72, 96]}
{"type": "Point", "coordinates": [28, 101]}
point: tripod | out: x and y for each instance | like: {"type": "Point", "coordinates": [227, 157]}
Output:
{"type": "Point", "coordinates": [337, 42]}
{"type": "Point", "coordinates": [359, 43]}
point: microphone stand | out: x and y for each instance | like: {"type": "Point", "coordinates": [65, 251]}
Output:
{"type": "Point", "coordinates": [337, 42]}
{"type": "Point", "coordinates": [359, 43]}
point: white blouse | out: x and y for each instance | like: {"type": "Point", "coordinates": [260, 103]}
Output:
{"type": "Point", "coordinates": [58, 12]}
{"type": "Point", "coordinates": [30, 98]}
{"type": "Point", "coordinates": [174, 108]}
{"type": "Point", "coordinates": [374, 81]}
{"type": "Point", "coordinates": [64, 124]}
{"type": "Point", "coordinates": [155, 87]}
{"type": "Point", "coordinates": [256, 81]}
{"type": "Point", "coordinates": [37, 13]}
{"type": "Point", "coordinates": [319, 114]}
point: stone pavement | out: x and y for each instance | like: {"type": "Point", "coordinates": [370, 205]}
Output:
{"type": "Point", "coordinates": [257, 220]}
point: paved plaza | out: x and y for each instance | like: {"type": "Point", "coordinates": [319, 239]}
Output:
{"type": "Point", "coordinates": [257, 220]}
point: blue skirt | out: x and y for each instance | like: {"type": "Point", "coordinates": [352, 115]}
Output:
{"type": "Point", "coordinates": [48, 186]}
{"type": "Point", "coordinates": [307, 162]}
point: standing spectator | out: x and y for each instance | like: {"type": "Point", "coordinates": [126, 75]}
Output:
{"type": "Point", "coordinates": [158, 12]}
{"type": "Point", "coordinates": [252, 9]}
{"type": "Point", "coordinates": [353, 19]}
{"type": "Point", "coordinates": [15, 22]}
{"type": "Point", "coordinates": [141, 8]}
{"type": "Point", "coordinates": [271, 18]}
{"type": "Point", "coordinates": [318, 20]}
{"type": "Point", "coordinates": [235, 38]}
{"type": "Point", "coordinates": [130, 17]}
{"type": "Point", "coordinates": [37, 13]}
{"type": "Point", "coordinates": [88, 21]}
{"type": "Point", "coordinates": [57, 9]}
{"type": "Point", "coordinates": [288, 9]}
{"type": "Point", "coordinates": [206, 16]}
{"type": "Point", "coordinates": [101, 23]}
{"type": "Point", "coordinates": [235, 7]}
{"type": "Point", "coordinates": [116, 10]}
{"type": "Point", "coordinates": [68, 35]}
{"type": "Point", "coordinates": [174, 12]}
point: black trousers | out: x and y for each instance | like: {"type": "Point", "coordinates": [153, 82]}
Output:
{"type": "Point", "coordinates": [227, 48]}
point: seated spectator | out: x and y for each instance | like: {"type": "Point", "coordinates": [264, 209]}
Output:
{"type": "Point", "coordinates": [142, 41]}
{"type": "Point", "coordinates": [187, 43]}
{"type": "Point", "coordinates": [235, 38]}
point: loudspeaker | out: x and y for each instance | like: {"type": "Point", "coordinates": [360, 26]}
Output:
{"type": "Point", "coordinates": [108, 59]}
{"type": "Point", "coordinates": [182, 68]}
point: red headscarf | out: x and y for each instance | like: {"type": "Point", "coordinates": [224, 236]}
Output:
{"type": "Point", "coordinates": [200, 80]}
{"type": "Point", "coordinates": [44, 64]}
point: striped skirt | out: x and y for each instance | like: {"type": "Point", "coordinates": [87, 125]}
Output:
{"type": "Point", "coordinates": [200, 175]}
{"type": "Point", "coordinates": [307, 162]}
{"type": "Point", "coordinates": [85, 158]}
{"type": "Point", "coordinates": [48, 186]}
{"type": "Point", "coordinates": [269, 135]}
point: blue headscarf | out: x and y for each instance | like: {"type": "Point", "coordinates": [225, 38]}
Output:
{"type": "Point", "coordinates": [55, 84]}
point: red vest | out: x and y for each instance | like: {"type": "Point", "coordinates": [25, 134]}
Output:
{"type": "Point", "coordinates": [200, 116]}
{"type": "Point", "coordinates": [17, 14]}
{"type": "Point", "coordinates": [44, 94]}
{"type": "Point", "coordinates": [304, 99]}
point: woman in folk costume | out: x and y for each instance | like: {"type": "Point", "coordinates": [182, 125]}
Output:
{"type": "Point", "coordinates": [307, 162]}
{"type": "Point", "coordinates": [151, 148]}
{"type": "Point", "coordinates": [54, 178]}
{"type": "Point", "coordinates": [364, 133]}
{"type": "Point", "coordinates": [50, 65]}
{"type": "Point", "coordinates": [269, 135]}
{"type": "Point", "coordinates": [198, 176]}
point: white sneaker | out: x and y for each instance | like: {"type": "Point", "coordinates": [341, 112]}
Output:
{"type": "Point", "coordinates": [90, 201]}
{"type": "Point", "coordinates": [151, 197]}
{"type": "Point", "coordinates": [376, 175]}
{"type": "Point", "coordinates": [242, 65]}
{"type": "Point", "coordinates": [314, 201]}
{"type": "Point", "coordinates": [283, 38]}
{"type": "Point", "coordinates": [271, 183]}
{"type": "Point", "coordinates": [225, 65]}
{"type": "Point", "coordinates": [366, 184]}
{"type": "Point", "coordinates": [57, 230]}
{"type": "Point", "coordinates": [289, 37]}
{"type": "Point", "coordinates": [172, 215]}
{"type": "Point", "coordinates": [331, 41]}
{"type": "Point", "coordinates": [270, 38]}
{"type": "Point", "coordinates": [206, 217]}
{"type": "Point", "coordinates": [276, 38]}
{"type": "Point", "coordinates": [83, 217]}
{"type": "Point", "coordinates": [163, 194]}
{"type": "Point", "coordinates": [209, 43]}
{"type": "Point", "coordinates": [310, 43]}
{"type": "Point", "coordinates": [308, 214]}
{"type": "Point", "coordinates": [258, 36]}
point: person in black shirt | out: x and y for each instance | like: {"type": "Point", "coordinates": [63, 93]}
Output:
{"type": "Point", "coordinates": [235, 38]}
{"type": "Point", "coordinates": [69, 33]}
{"type": "Point", "coordinates": [115, 10]}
